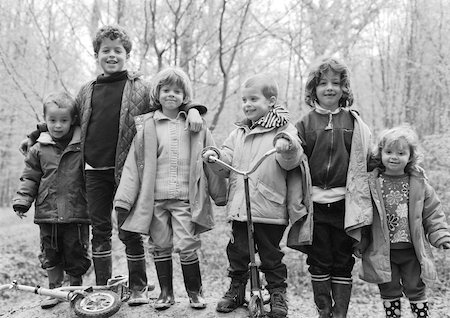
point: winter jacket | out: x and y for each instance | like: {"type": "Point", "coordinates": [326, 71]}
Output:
{"type": "Point", "coordinates": [427, 223]}
{"type": "Point", "coordinates": [276, 194]}
{"type": "Point", "coordinates": [135, 101]}
{"type": "Point", "coordinates": [136, 189]}
{"type": "Point", "coordinates": [358, 205]}
{"type": "Point", "coordinates": [55, 180]}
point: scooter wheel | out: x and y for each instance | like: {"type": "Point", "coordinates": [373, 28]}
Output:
{"type": "Point", "coordinates": [256, 307]}
{"type": "Point", "coordinates": [99, 303]}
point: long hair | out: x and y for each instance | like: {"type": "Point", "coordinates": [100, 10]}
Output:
{"type": "Point", "coordinates": [316, 73]}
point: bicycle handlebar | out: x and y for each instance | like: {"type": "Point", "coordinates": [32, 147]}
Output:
{"type": "Point", "coordinates": [244, 173]}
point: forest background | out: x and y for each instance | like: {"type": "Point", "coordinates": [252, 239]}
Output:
{"type": "Point", "coordinates": [398, 52]}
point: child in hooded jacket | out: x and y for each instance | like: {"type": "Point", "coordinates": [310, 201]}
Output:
{"type": "Point", "coordinates": [165, 191]}
{"type": "Point", "coordinates": [53, 178]}
{"type": "Point", "coordinates": [337, 142]}
{"type": "Point", "coordinates": [275, 190]}
{"type": "Point", "coordinates": [408, 217]}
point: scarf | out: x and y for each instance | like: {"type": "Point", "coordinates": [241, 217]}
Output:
{"type": "Point", "coordinates": [276, 117]}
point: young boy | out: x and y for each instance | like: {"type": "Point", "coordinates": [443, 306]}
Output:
{"type": "Point", "coordinates": [273, 198]}
{"type": "Point", "coordinates": [107, 108]}
{"type": "Point", "coordinates": [164, 191]}
{"type": "Point", "coordinates": [53, 176]}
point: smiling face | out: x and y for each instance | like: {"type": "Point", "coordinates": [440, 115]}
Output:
{"type": "Point", "coordinates": [254, 104]}
{"type": "Point", "coordinates": [112, 56]}
{"type": "Point", "coordinates": [329, 90]}
{"type": "Point", "coordinates": [395, 156]}
{"type": "Point", "coordinates": [171, 97]}
{"type": "Point", "coordinates": [58, 120]}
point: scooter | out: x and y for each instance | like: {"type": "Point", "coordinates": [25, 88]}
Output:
{"type": "Point", "coordinates": [86, 301]}
{"type": "Point", "coordinates": [256, 302]}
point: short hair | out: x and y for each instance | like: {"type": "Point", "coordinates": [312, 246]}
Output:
{"type": "Point", "coordinates": [171, 76]}
{"type": "Point", "coordinates": [62, 100]}
{"type": "Point", "coordinates": [390, 137]}
{"type": "Point", "coordinates": [269, 86]}
{"type": "Point", "coordinates": [112, 32]}
{"type": "Point", "coordinates": [316, 73]}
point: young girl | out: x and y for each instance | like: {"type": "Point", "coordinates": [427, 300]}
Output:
{"type": "Point", "coordinates": [53, 176]}
{"type": "Point", "coordinates": [408, 217]}
{"type": "Point", "coordinates": [336, 142]}
{"type": "Point", "coordinates": [164, 191]}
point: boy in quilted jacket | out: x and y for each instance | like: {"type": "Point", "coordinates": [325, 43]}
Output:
{"type": "Point", "coordinates": [53, 176]}
{"type": "Point", "coordinates": [107, 107]}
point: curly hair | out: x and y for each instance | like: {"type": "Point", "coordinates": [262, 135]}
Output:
{"type": "Point", "coordinates": [391, 137]}
{"type": "Point", "coordinates": [171, 76]}
{"type": "Point", "coordinates": [62, 100]}
{"type": "Point", "coordinates": [112, 32]}
{"type": "Point", "coordinates": [316, 73]}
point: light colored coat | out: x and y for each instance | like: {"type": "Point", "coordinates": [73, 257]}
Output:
{"type": "Point", "coordinates": [427, 223]}
{"type": "Point", "coordinates": [136, 189]}
{"type": "Point", "coordinates": [276, 194]}
{"type": "Point", "coordinates": [358, 204]}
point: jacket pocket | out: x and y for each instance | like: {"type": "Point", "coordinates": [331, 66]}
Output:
{"type": "Point", "coordinates": [270, 193]}
{"type": "Point", "coordinates": [42, 196]}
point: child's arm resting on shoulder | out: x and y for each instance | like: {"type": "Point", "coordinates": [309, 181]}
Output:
{"type": "Point", "coordinates": [28, 142]}
{"type": "Point", "coordinates": [289, 150]}
{"type": "Point", "coordinates": [194, 120]}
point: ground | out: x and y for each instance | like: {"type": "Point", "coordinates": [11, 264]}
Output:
{"type": "Point", "coordinates": [19, 246]}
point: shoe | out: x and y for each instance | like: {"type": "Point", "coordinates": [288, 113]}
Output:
{"type": "Point", "coordinates": [393, 308]}
{"type": "Point", "coordinates": [193, 284]}
{"type": "Point", "coordinates": [49, 302]}
{"type": "Point", "coordinates": [138, 297]}
{"type": "Point", "coordinates": [165, 274]}
{"type": "Point", "coordinates": [233, 298]}
{"type": "Point", "coordinates": [278, 304]}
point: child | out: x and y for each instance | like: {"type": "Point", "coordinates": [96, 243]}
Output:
{"type": "Point", "coordinates": [273, 201]}
{"type": "Point", "coordinates": [164, 191]}
{"type": "Point", "coordinates": [107, 107]}
{"type": "Point", "coordinates": [336, 142]}
{"type": "Point", "coordinates": [53, 176]}
{"type": "Point", "coordinates": [408, 217]}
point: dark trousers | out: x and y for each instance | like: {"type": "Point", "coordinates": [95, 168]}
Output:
{"type": "Point", "coordinates": [100, 189]}
{"type": "Point", "coordinates": [267, 240]}
{"type": "Point", "coordinates": [331, 252]}
{"type": "Point", "coordinates": [405, 271]}
{"type": "Point", "coordinates": [65, 244]}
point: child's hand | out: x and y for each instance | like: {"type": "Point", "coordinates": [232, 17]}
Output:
{"type": "Point", "coordinates": [25, 145]}
{"type": "Point", "coordinates": [20, 210]}
{"type": "Point", "coordinates": [282, 145]}
{"type": "Point", "coordinates": [194, 121]}
{"type": "Point", "coordinates": [209, 153]}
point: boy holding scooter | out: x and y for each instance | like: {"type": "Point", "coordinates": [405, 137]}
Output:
{"type": "Point", "coordinates": [275, 191]}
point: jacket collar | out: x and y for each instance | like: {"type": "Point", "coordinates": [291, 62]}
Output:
{"type": "Point", "coordinates": [46, 139]}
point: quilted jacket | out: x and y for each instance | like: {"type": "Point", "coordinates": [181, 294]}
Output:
{"type": "Point", "coordinates": [135, 101]}
{"type": "Point", "coordinates": [55, 180]}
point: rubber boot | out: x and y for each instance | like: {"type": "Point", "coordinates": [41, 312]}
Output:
{"type": "Point", "coordinates": [193, 283]}
{"type": "Point", "coordinates": [75, 280]}
{"type": "Point", "coordinates": [164, 270]}
{"type": "Point", "coordinates": [392, 308]}
{"type": "Point", "coordinates": [322, 297]}
{"type": "Point", "coordinates": [55, 280]}
{"type": "Point", "coordinates": [278, 303]}
{"type": "Point", "coordinates": [233, 298]}
{"type": "Point", "coordinates": [341, 296]}
{"type": "Point", "coordinates": [137, 279]}
{"type": "Point", "coordinates": [420, 308]}
{"type": "Point", "coordinates": [102, 267]}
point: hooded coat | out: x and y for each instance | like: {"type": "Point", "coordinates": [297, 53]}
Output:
{"type": "Point", "coordinates": [136, 189]}
{"type": "Point", "coordinates": [427, 223]}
